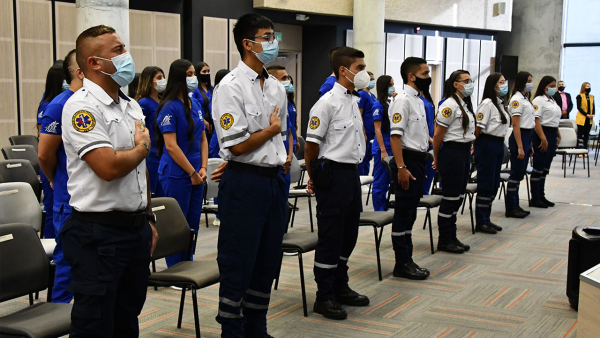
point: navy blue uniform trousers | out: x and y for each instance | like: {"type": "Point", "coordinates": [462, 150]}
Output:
{"type": "Point", "coordinates": [405, 211]}
{"type": "Point", "coordinates": [338, 215]}
{"type": "Point", "coordinates": [253, 211]}
{"type": "Point", "coordinates": [109, 277]}
{"type": "Point", "coordinates": [489, 153]}
{"type": "Point", "coordinates": [518, 168]}
{"type": "Point", "coordinates": [542, 162]}
{"type": "Point", "coordinates": [454, 167]}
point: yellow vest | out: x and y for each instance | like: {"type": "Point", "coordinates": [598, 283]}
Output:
{"type": "Point", "coordinates": [580, 120]}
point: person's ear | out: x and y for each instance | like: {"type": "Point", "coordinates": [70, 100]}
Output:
{"type": "Point", "coordinates": [247, 44]}
{"type": "Point", "coordinates": [412, 77]}
{"type": "Point", "coordinates": [93, 63]}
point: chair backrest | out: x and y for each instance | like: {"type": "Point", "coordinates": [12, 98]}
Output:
{"type": "Point", "coordinates": [388, 166]}
{"type": "Point", "coordinates": [173, 230]}
{"type": "Point", "coordinates": [506, 157]}
{"type": "Point", "coordinates": [300, 153]}
{"type": "Point", "coordinates": [568, 138]}
{"type": "Point", "coordinates": [565, 124]}
{"type": "Point", "coordinates": [507, 136]}
{"type": "Point", "coordinates": [20, 171]}
{"type": "Point", "coordinates": [22, 152]}
{"type": "Point", "coordinates": [18, 204]}
{"type": "Point", "coordinates": [18, 140]}
{"type": "Point", "coordinates": [295, 170]}
{"type": "Point", "coordinates": [574, 125]}
{"type": "Point", "coordinates": [212, 187]}
{"type": "Point", "coordinates": [24, 265]}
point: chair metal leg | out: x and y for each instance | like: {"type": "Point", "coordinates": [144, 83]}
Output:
{"type": "Point", "coordinates": [206, 216]}
{"type": "Point", "coordinates": [181, 303]}
{"type": "Point", "coordinates": [528, 192]}
{"type": "Point", "coordinates": [278, 272]}
{"type": "Point", "coordinates": [369, 193]}
{"type": "Point", "coordinates": [31, 299]}
{"type": "Point", "coordinates": [428, 217]}
{"type": "Point", "coordinates": [154, 270]}
{"type": "Point", "coordinates": [574, 164]}
{"type": "Point", "coordinates": [588, 160]}
{"type": "Point", "coordinates": [312, 229]}
{"type": "Point", "coordinates": [196, 317]}
{"type": "Point", "coordinates": [564, 166]}
{"type": "Point", "coordinates": [471, 211]}
{"type": "Point", "coordinates": [294, 212]}
{"type": "Point", "coordinates": [377, 242]}
{"type": "Point", "coordinates": [302, 286]}
{"type": "Point", "coordinates": [463, 205]}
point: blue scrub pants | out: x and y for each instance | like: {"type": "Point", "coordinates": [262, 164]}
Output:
{"type": "Point", "coordinates": [48, 202]}
{"type": "Point", "coordinates": [62, 278]}
{"type": "Point", "coordinates": [518, 167]}
{"type": "Point", "coordinates": [489, 153]}
{"type": "Point", "coordinates": [365, 166]}
{"type": "Point", "coordinates": [542, 162]}
{"type": "Point", "coordinates": [152, 163]}
{"type": "Point", "coordinates": [190, 199]}
{"type": "Point", "coordinates": [253, 211]}
{"type": "Point", "coordinates": [454, 167]}
{"type": "Point", "coordinates": [381, 182]}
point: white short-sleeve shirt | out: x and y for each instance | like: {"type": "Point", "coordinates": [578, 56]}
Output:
{"type": "Point", "coordinates": [240, 108]}
{"type": "Point", "coordinates": [547, 110]}
{"type": "Point", "coordinates": [519, 105]}
{"type": "Point", "coordinates": [91, 119]}
{"type": "Point", "coordinates": [451, 116]}
{"type": "Point", "coordinates": [336, 126]}
{"type": "Point", "coordinates": [408, 120]}
{"type": "Point", "coordinates": [489, 119]}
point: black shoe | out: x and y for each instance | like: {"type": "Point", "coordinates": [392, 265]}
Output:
{"type": "Point", "coordinates": [485, 228]}
{"type": "Point", "coordinates": [496, 227]}
{"type": "Point", "coordinates": [268, 336]}
{"type": "Point", "coordinates": [330, 309]}
{"type": "Point", "coordinates": [548, 203]}
{"type": "Point", "coordinates": [451, 247]}
{"type": "Point", "coordinates": [351, 297]}
{"type": "Point", "coordinates": [464, 246]}
{"type": "Point", "coordinates": [523, 210]}
{"type": "Point", "coordinates": [409, 271]}
{"type": "Point", "coordinates": [515, 213]}
{"type": "Point", "coordinates": [419, 268]}
{"type": "Point", "coordinates": [538, 204]}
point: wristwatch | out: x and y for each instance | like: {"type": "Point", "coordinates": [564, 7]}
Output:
{"type": "Point", "coordinates": [151, 218]}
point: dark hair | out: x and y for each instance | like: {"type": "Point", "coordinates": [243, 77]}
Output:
{"type": "Point", "coordinates": [145, 83]}
{"type": "Point", "coordinates": [67, 65]}
{"type": "Point", "coordinates": [383, 83]}
{"type": "Point", "coordinates": [133, 86]}
{"type": "Point", "coordinates": [332, 52]}
{"type": "Point", "coordinates": [520, 82]}
{"type": "Point", "coordinates": [220, 75]}
{"type": "Point", "coordinates": [246, 28]}
{"type": "Point", "coordinates": [199, 67]}
{"type": "Point", "coordinates": [54, 81]}
{"type": "Point", "coordinates": [489, 92]}
{"type": "Point", "coordinates": [541, 89]}
{"type": "Point", "coordinates": [410, 65]}
{"type": "Point", "coordinates": [345, 57]}
{"type": "Point", "coordinates": [176, 84]}
{"type": "Point", "coordinates": [275, 67]}
{"type": "Point", "coordinates": [92, 32]}
{"type": "Point", "coordinates": [450, 92]}
{"type": "Point", "coordinates": [291, 96]}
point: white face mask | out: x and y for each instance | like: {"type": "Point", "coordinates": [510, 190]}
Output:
{"type": "Point", "coordinates": [361, 79]}
{"type": "Point", "coordinates": [161, 85]}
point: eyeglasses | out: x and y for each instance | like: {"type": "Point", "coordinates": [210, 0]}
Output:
{"type": "Point", "coordinates": [467, 81]}
{"type": "Point", "coordinates": [269, 37]}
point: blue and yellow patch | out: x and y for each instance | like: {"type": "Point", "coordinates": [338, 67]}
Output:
{"type": "Point", "coordinates": [314, 123]}
{"type": "Point", "coordinates": [479, 116]}
{"type": "Point", "coordinates": [447, 112]}
{"type": "Point", "coordinates": [83, 121]}
{"type": "Point", "coordinates": [515, 104]}
{"type": "Point", "coordinates": [226, 121]}
{"type": "Point", "coordinates": [396, 118]}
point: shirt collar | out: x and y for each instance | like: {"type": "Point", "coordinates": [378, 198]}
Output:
{"type": "Point", "coordinates": [100, 93]}
{"type": "Point", "coordinates": [411, 91]}
{"type": "Point", "coordinates": [250, 73]}
{"type": "Point", "coordinates": [342, 90]}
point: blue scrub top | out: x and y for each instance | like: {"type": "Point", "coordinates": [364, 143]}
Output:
{"type": "Point", "coordinates": [41, 108]}
{"type": "Point", "coordinates": [197, 95]}
{"type": "Point", "coordinates": [286, 142]}
{"type": "Point", "coordinates": [366, 104]}
{"type": "Point", "coordinates": [327, 85]}
{"type": "Point", "coordinates": [171, 118]}
{"type": "Point", "coordinates": [292, 119]}
{"type": "Point", "coordinates": [149, 107]}
{"type": "Point", "coordinates": [378, 116]}
{"type": "Point", "coordinates": [51, 124]}
{"type": "Point", "coordinates": [429, 114]}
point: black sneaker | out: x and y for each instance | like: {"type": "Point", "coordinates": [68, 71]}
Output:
{"type": "Point", "coordinates": [548, 203]}
{"type": "Point", "coordinates": [464, 246]}
{"type": "Point", "coordinates": [330, 309]}
{"type": "Point", "coordinates": [538, 203]}
{"type": "Point", "coordinates": [485, 228]}
{"type": "Point", "coordinates": [496, 227]}
{"type": "Point", "coordinates": [523, 210]}
{"type": "Point", "coordinates": [409, 271]}
{"type": "Point", "coordinates": [350, 297]}
{"type": "Point", "coordinates": [515, 213]}
{"type": "Point", "coordinates": [451, 247]}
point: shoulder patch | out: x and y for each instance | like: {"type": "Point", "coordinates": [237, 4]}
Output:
{"type": "Point", "coordinates": [447, 112]}
{"type": "Point", "coordinates": [479, 116]}
{"type": "Point", "coordinates": [226, 121]}
{"type": "Point", "coordinates": [535, 107]}
{"type": "Point", "coordinates": [376, 112]}
{"type": "Point", "coordinates": [396, 118]}
{"type": "Point", "coordinates": [515, 104]}
{"type": "Point", "coordinates": [166, 121]}
{"type": "Point", "coordinates": [314, 122]}
{"type": "Point", "coordinates": [83, 121]}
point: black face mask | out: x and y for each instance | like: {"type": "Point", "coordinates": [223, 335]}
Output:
{"type": "Point", "coordinates": [561, 88]}
{"type": "Point", "coordinates": [588, 90]}
{"type": "Point", "coordinates": [205, 78]}
{"type": "Point", "coordinates": [423, 84]}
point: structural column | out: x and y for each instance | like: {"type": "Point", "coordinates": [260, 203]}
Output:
{"type": "Point", "coordinates": [369, 36]}
{"type": "Point", "coordinates": [113, 13]}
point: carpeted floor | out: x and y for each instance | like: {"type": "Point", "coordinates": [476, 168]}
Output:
{"type": "Point", "coordinates": [509, 285]}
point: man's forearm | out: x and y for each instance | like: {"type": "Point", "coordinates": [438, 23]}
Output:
{"type": "Point", "coordinates": [311, 152]}
{"type": "Point", "coordinates": [48, 166]}
{"type": "Point", "coordinates": [255, 141]}
{"type": "Point", "coordinates": [397, 150]}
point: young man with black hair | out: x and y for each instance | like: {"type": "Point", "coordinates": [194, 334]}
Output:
{"type": "Point", "coordinates": [335, 145]}
{"type": "Point", "coordinates": [410, 141]}
{"type": "Point", "coordinates": [331, 80]}
{"type": "Point", "coordinates": [250, 114]}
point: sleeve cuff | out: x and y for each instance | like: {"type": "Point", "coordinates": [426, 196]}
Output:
{"type": "Point", "coordinates": [481, 125]}
{"type": "Point", "coordinates": [314, 138]}
{"type": "Point", "coordinates": [232, 140]}
{"type": "Point", "coordinates": [91, 146]}
{"type": "Point", "coordinates": [397, 131]}
{"type": "Point", "coordinates": [442, 124]}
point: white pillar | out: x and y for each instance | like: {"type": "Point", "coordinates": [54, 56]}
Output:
{"type": "Point", "coordinates": [369, 37]}
{"type": "Point", "coordinates": [113, 13]}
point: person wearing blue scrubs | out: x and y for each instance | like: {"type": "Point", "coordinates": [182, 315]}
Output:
{"type": "Point", "coordinates": [54, 86]}
{"type": "Point", "coordinates": [381, 144]}
{"type": "Point", "coordinates": [213, 147]}
{"type": "Point", "coordinates": [152, 84]}
{"type": "Point", "coordinates": [430, 115]}
{"type": "Point", "coordinates": [53, 163]}
{"type": "Point", "coordinates": [182, 146]}
{"type": "Point", "coordinates": [365, 105]}
{"type": "Point", "coordinates": [203, 96]}
{"type": "Point", "coordinates": [331, 80]}
{"type": "Point", "coordinates": [292, 113]}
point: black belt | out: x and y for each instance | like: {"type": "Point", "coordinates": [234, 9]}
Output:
{"type": "Point", "coordinates": [120, 219]}
{"type": "Point", "coordinates": [550, 129]}
{"type": "Point", "coordinates": [254, 169]}
{"type": "Point", "coordinates": [413, 155]}
{"type": "Point", "coordinates": [458, 145]}
{"type": "Point", "coordinates": [343, 166]}
{"type": "Point", "coordinates": [526, 129]}
{"type": "Point", "coordinates": [492, 137]}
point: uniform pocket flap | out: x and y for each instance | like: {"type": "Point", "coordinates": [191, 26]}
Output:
{"type": "Point", "coordinates": [339, 125]}
{"type": "Point", "coordinates": [252, 109]}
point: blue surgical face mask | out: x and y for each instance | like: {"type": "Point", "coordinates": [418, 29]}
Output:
{"type": "Point", "coordinates": [192, 83]}
{"type": "Point", "coordinates": [503, 89]}
{"type": "Point", "coordinates": [391, 90]}
{"type": "Point", "coordinates": [468, 90]}
{"type": "Point", "coordinates": [269, 53]}
{"type": "Point", "coordinates": [289, 87]}
{"type": "Point", "coordinates": [65, 85]}
{"type": "Point", "coordinates": [125, 69]}
{"type": "Point", "coordinates": [528, 87]}
{"type": "Point", "coordinates": [551, 91]}
{"type": "Point", "coordinates": [371, 84]}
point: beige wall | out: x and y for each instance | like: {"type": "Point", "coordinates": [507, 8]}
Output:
{"type": "Point", "coordinates": [475, 14]}
{"type": "Point", "coordinates": [8, 86]}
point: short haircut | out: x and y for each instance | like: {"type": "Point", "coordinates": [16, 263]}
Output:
{"type": "Point", "coordinates": [410, 65]}
{"type": "Point", "coordinates": [92, 32]}
{"type": "Point", "coordinates": [332, 52]}
{"type": "Point", "coordinates": [345, 57]}
{"type": "Point", "coordinates": [274, 69]}
{"type": "Point", "coordinates": [67, 64]}
{"type": "Point", "coordinates": [246, 28]}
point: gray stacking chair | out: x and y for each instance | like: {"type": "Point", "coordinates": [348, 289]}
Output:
{"type": "Point", "coordinates": [18, 140]}
{"type": "Point", "coordinates": [377, 220]}
{"type": "Point", "coordinates": [24, 269]}
{"type": "Point", "coordinates": [211, 190]}
{"type": "Point", "coordinates": [295, 174]}
{"type": "Point", "coordinates": [20, 171]}
{"type": "Point", "coordinates": [22, 152]}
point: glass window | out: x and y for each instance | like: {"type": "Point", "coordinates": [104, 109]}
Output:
{"type": "Point", "coordinates": [580, 64]}
{"type": "Point", "coordinates": [582, 18]}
